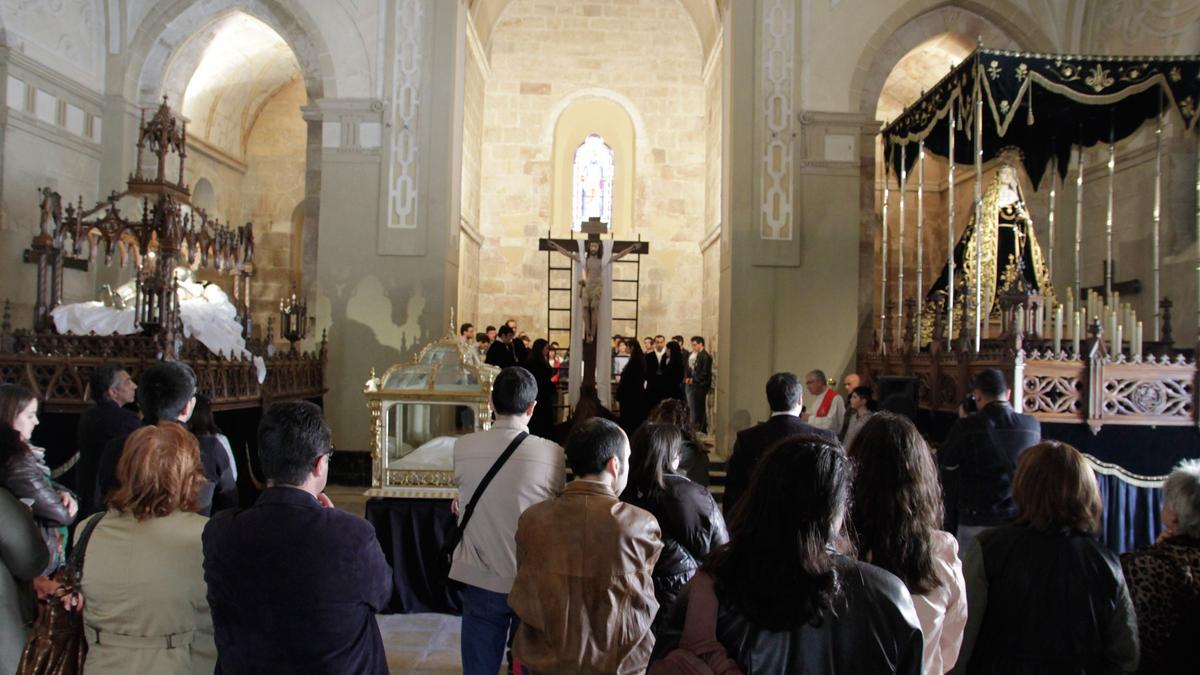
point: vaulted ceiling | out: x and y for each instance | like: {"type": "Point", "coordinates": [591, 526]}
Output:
{"type": "Point", "coordinates": [919, 70]}
{"type": "Point", "coordinates": [243, 65]}
{"type": "Point", "coordinates": [705, 14]}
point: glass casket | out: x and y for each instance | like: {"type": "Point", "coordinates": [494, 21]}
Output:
{"type": "Point", "coordinates": [418, 409]}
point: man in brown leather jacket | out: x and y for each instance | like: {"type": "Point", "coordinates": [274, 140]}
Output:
{"type": "Point", "coordinates": [583, 590]}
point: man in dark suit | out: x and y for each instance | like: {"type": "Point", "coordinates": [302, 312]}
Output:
{"type": "Point", "coordinates": [293, 583]}
{"type": "Point", "coordinates": [784, 397]}
{"type": "Point", "coordinates": [500, 353]}
{"type": "Point", "coordinates": [112, 388]}
{"type": "Point", "coordinates": [167, 393]}
{"type": "Point", "coordinates": [656, 364]}
{"type": "Point", "coordinates": [698, 379]}
{"type": "Point", "coordinates": [979, 458]}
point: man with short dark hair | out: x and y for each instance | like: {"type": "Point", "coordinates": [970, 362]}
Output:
{"type": "Point", "coordinates": [294, 583]}
{"type": "Point", "coordinates": [584, 591]}
{"type": "Point", "coordinates": [466, 333]}
{"type": "Point", "coordinates": [500, 353]}
{"type": "Point", "coordinates": [656, 363]}
{"type": "Point", "coordinates": [490, 332]}
{"type": "Point", "coordinates": [698, 381]}
{"type": "Point", "coordinates": [979, 458]}
{"type": "Point", "coordinates": [519, 348]}
{"type": "Point", "coordinates": [784, 397]}
{"type": "Point", "coordinates": [485, 561]}
{"type": "Point", "coordinates": [112, 389]}
{"type": "Point", "coordinates": [167, 393]}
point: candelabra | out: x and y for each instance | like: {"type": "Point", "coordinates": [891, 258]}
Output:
{"type": "Point", "coordinates": [293, 319]}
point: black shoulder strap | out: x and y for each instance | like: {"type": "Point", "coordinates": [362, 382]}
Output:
{"type": "Point", "coordinates": [75, 561]}
{"type": "Point", "coordinates": [487, 478]}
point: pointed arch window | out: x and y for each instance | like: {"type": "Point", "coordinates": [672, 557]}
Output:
{"type": "Point", "coordinates": [592, 184]}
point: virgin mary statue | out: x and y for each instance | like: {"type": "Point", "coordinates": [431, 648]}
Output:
{"type": "Point", "coordinates": [1011, 259]}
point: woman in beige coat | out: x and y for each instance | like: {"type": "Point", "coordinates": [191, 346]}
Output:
{"type": "Point", "coordinates": [145, 606]}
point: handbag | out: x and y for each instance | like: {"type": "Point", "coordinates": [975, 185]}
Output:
{"type": "Point", "coordinates": [56, 644]}
{"type": "Point", "coordinates": [446, 555]}
{"type": "Point", "coordinates": [699, 652]}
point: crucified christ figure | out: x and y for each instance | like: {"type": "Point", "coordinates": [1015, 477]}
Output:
{"type": "Point", "coordinates": [591, 281]}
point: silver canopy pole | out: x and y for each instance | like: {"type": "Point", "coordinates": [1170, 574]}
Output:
{"type": "Point", "coordinates": [920, 237]}
{"type": "Point", "coordinates": [1158, 132]}
{"type": "Point", "coordinates": [884, 259]}
{"type": "Point", "coordinates": [1108, 218]}
{"type": "Point", "coordinates": [950, 240]}
{"type": "Point", "coordinates": [1079, 225]}
{"type": "Point", "coordinates": [978, 210]}
{"type": "Point", "coordinates": [1050, 218]}
{"type": "Point", "coordinates": [900, 252]}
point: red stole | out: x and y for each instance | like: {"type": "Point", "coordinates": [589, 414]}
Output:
{"type": "Point", "coordinates": [826, 402]}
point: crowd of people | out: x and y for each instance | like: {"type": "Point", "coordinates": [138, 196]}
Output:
{"type": "Point", "coordinates": [645, 377]}
{"type": "Point", "coordinates": [844, 543]}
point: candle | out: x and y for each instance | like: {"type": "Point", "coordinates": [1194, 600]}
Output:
{"type": "Point", "coordinates": [1020, 321]}
{"type": "Point", "coordinates": [1114, 339]}
{"type": "Point", "coordinates": [1040, 320]}
{"type": "Point", "coordinates": [1058, 329]}
{"type": "Point", "coordinates": [1075, 328]}
{"type": "Point", "coordinates": [1120, 341]}
{"type": "Point", "coordinates": [1137, 338]}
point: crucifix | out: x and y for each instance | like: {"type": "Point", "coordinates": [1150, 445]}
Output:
{"type": "Point", "coordinates": [594, 261]}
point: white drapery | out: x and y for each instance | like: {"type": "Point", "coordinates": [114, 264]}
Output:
{"type": "Point", "coordinates": [603, 326]}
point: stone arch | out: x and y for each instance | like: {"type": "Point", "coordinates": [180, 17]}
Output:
{"type": "Point", "coordinates": [998, 24]}
{"type": "Point", "coordinates": [613, 123]}
{"type": "Point", "coordinates": [168, 45]}
{"type": "Point", "coordinates": [203, 195]}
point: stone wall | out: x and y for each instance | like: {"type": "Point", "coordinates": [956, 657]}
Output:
{"type": "Point", "coordinates": [271, 192]}
{"type": "Point", "coordinates": [711, 300]}
{"type": "Point", "coordinates": [645, 55]}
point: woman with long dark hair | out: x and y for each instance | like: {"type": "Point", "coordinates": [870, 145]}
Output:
{"type": "Point", "coordinates": [690, 519]}
{"type": "Point", "coordinates": [204, 423]}
{"type": "Point", "coordinates": [1045, 595]}
{"type": "Point", "coordinates": [788, 602]}
{"type": "Point", "coordinates": [631, 390]}
{"type": "Point", "coordinates": [27, 476]}
{"type": "Point", "coordinates": [895, 523]}
{"type": "Point", "coordinates": [693, 456]}
{"type": "Point", "coordinates": [542, 422]}
{"type": "Point", "coordinates": [672, 376]}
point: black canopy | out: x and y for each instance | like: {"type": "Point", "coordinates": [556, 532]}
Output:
{"type": "Point", "coordinates": [1044, 104]}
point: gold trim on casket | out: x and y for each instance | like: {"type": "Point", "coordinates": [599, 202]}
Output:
{"type": "Point", "coordinates": [417, 410]}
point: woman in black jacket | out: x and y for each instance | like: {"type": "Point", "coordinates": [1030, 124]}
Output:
{"type": "Point", "coordinates": [631, 390]}
{"type": "Point", "coordinates": [688, 515]}
{"type": "Point", "coordinates": [1045, 596]}
{"type": "Point", "coordinates": [542, 422]}
{"type": "Point", "coordinates": [788, 602]}
{"type": "Point", "coordinates": [673, 372]}
{"type": "Point", "coordinates": [27, 476]}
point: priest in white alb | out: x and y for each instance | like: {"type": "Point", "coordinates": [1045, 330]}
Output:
{"type": "Point", "coordinates": [824, 408]}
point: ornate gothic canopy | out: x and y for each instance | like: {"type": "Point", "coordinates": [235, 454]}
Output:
{"type": "Point", "coordinates": [1044, 104]}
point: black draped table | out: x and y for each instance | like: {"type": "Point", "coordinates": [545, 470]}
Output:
{"type": "Point", "coordinates": [411, 533]}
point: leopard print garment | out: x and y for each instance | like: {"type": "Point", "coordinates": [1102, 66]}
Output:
{"type": "Point", "coordinates": [1164, 582]}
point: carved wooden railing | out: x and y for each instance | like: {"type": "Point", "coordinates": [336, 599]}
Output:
{"type": "Point", "coordinates": [57, 368]}
{"type": "Point", "coordinates": [1064, 388]}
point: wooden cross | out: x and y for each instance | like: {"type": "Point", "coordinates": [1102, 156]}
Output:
{"type": "Point", "coordinates": [593, 228]}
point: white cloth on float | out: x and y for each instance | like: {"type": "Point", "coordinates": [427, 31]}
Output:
{"type": "Point", "coordinates": [204, 311]}
{"type": "Point", "coordinates": [603, 327]}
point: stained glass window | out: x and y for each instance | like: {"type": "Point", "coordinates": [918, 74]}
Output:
{"type": "Point", "coordinates": [593, 182]}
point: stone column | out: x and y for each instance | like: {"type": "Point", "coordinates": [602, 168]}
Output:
{"type": "Point", "coordinates": [387, 261]}
{"type": "Point", "coordinates": [789, 249]}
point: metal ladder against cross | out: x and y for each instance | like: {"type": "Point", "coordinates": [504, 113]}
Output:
{"type": "Point", "coordinates": [560, 300]}
{"type": "Point", "coordinates": [626, 291]}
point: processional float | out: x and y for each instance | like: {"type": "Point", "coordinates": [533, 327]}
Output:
{"type": "Point", "coordinates": [1078, 356]}
{"type": "Point", "coordinates": [169, 234]}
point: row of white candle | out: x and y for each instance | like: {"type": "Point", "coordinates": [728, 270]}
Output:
{"type": "Point", "coordinates": [1118, 321]}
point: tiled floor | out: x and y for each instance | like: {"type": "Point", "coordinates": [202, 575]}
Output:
{"type": "Point", "coordinates": [415, 643]}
